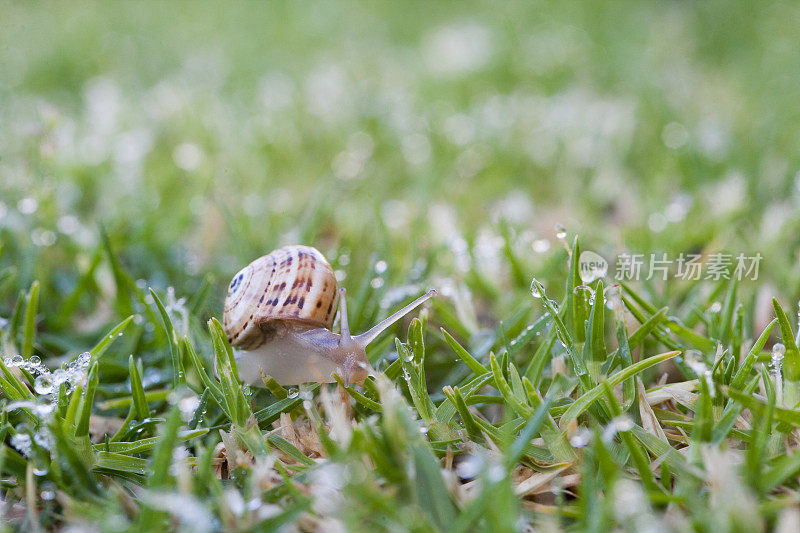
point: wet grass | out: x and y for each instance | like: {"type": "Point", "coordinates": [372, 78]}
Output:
{"type": "Point", "coordinates": [146, 155]}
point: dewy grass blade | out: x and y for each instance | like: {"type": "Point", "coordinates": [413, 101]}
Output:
{"type": "Point", "coordinates": [464, 355]}
{"type": "Point", "coordinates": [179, 374]}
{"type": "Point", "coordinates": [597, 330]}
{"type": "Point", "coordinates": [357, 396]}
{"type": "Point", "coordinates": [140, 406]}
{"type": "Point", "coordinates": [165, 444]}
{"type": "Point", "coordinates": [589, 397]}
{"type": "Point", "coordinates": [639, 457]}
{"type": "Point", "coordinates": [644, 330]}
{"type": "Point", "coordinates": [147, 444]}
{"type": "Point", "coordinates": [791, 363]}
{"type": "Point", "coordinates": [210, 384]}
{"type": "Point", "coordinates": [82, 427]}
{"type": "Point", "coordinates": [104, 343]}
{"type": "Point", "coordinates": [289, 449]}
{"type": "Point", "coordinates": [470, 424]}
{"type": "Point", "coordinates": [575, 305]}
{"type": "Point", "coordinates": [747, 365]}
{"type": "Point", "coordinates": [578, 364]}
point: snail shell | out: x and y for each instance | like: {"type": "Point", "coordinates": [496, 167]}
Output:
{"type": "Point", "coordinates": [292, 283]}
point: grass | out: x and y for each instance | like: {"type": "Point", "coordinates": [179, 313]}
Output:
{"type": "Point", "coordinates": [148, 153]}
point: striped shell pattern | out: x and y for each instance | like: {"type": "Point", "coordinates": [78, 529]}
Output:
{"type": "Point", "coordinates": [290, 283]}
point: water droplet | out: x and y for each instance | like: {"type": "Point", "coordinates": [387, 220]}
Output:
{"type": "Point", "coordinates": [35, 360]}
{"type": "Point", "coordinates": [496, 473]}
{"type": "Point", "coordinates": [537, 289]}
{"type": "Point", "coordinates": [47, 495]}
{"type": "Point", "coordinates": [776, 366]}
{"type": "Point", "coordinates": [581, 437]}
{"type": "Point", "coordinates": [592, 266]}
{"type": "Point", "coordinates": [188, 405]}
{"type": "Point", "coordinates": [22, 442]}
{"type": "Point", "coordinates": [540, 246]}
{"type": "Point", "coordinates": [617, 425]}
{"type": "Point", "coordinates": [716, 307]}
{"type": "Point", "coordinates": [17, 360]}
{"type": "Point", "coordinates": [613, 296]}
{"type": "Point", "coordinates": [43, 384]}
{"type": "Point", "coordinates": [468, 467]}
{"type": "Point", "coordinates": [307, 395]}
{"type": "Point", "coordinates": [380, 267]}
{"type": "Point", "coordinates": [561, 232]}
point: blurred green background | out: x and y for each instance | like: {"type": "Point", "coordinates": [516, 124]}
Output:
{"type": "Point", "coordinates": [439, 137]}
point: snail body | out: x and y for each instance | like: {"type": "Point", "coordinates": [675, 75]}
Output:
{"type": "Point", "coordinates": [279, 311]}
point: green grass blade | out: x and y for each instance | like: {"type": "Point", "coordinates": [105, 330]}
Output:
{"type": "Point", "coordinates": [591, 396]}
{"type": "Point", "coordinates": [179, 373]}
{"type": "Point", "coordinates": [29, 328]}
{"type": "Point", "coordinates": [140, 405]}
{"type": "Point", "coordinates": [791, 363]}
{"type": "Point", "coordinates": [82, 428]}
{"type": "Point", "coordinates": [104, 343]}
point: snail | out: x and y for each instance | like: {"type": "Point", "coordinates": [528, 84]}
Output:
{"type": "Point", "coordinates": [279, 311]}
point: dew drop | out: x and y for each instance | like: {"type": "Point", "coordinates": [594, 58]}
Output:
{"type": "Point", "coordinates": [188, 405]}
{"type": "Point", "coordinates": [592, 266]}
{"type": "Point", "coordinates": [35, 360]}
{"type": "Point", "coordinates": [22, 442]}
{"type": "Point", "coordinates": [581, 437]}
{"type": "Point", "coordinates": [59, 376]}
{"type": "Point", "coordinates": [778, 351]}
{"type": "Point", "coordinates": [540, 246]}
{"type": "Point", "coordinates": [776, 366]}
{"type": "Point", "coordinates": [84, 359]}
{"type": "Point", "coordinates": [468, 467]}
{"type": "Point", "coordinates": [43, 384]}
{"type": "Point", "coordinates": [537, 289]}
{"type": "Point", "coordinates": [613, 296]}
{"type": "Point", "coordinates": [17, 360]}
{"type": "Point", "coordinates": [561, 232]}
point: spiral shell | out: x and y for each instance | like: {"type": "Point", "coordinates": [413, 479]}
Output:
{"type": "Point", "coordinates": [290, 283]}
